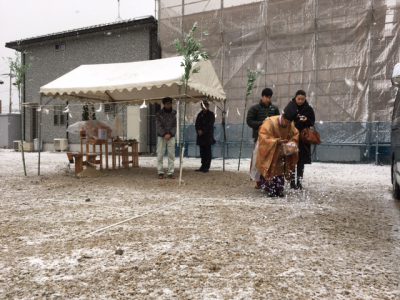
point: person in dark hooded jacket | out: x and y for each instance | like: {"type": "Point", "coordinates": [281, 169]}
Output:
{"type": "Point", "coordinates": [305, 119]}
{"type": "Point", "coordinates": [205, 135]}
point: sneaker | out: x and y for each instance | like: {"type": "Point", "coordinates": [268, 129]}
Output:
{"type": "Point", "coordinates": [160, 176]}
{"type": "Point", "coordinates": [171, 176]}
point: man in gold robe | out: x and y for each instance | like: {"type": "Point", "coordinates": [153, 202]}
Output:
{"type": "Point", "coordinates": [277, 151]}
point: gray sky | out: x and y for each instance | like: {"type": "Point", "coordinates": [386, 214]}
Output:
{"type": "Point", "coordinates": [20, 19]}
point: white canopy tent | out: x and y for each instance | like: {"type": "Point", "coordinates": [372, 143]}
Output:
{"type": "Point", "coordinates": [135, 81]}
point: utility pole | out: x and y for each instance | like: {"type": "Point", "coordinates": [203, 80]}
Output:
{"type": "Point", "coordinates": [119, 15]}
{"type": "Point", "coordinates": [10, 104]}
{"type": "Point", "coordinates": [1, 82]}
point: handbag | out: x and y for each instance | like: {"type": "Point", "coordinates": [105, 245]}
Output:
{"type": "Point", "coordinates": [310, 136]}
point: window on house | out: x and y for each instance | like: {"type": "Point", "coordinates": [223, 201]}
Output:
{"type": "Point", "coordinates": [59, 116]}
{"type": "Point", "coordinates": [59, 47]}
{"type": "Point", "coordinates": [109, 108]}
{"type": "Point", "coordinates": [62, 119]}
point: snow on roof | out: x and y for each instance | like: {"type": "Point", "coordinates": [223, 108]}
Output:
{"type": "Point", "coordinates": [84, 30]}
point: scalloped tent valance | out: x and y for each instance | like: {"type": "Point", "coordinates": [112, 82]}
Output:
{"type": "Point", "coordinates": [135, 81]}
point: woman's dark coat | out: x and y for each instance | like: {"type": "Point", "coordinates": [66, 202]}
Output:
{"type": "Point", "coordinates": [304, 149]}
{"type": "Point", "coordinates": [205, 122]}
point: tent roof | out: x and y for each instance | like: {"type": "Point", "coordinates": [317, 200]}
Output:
{"type": "Point", "coordinates": [135, 82]}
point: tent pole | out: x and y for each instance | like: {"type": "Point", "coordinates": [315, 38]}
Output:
{"type": "Point", "coordinates": [179, 105]}
{"type": "Point", "coordinates": [40, 134]}
{"type": "Point", "coordinates": [224, 130]}
{"type": "Point", "coordinates": [222, 82]}
{"type": "Point", "coordinates": [223, 123]}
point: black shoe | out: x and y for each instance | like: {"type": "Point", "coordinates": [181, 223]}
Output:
{"type": "Point", "coordinates": [199, 170]}
{"type": "Point", "coordinates": [293, 185]}
{"type": "Point", "coordinates": [204, 171]}
{"type": "Point", "coordinates": [299, 185]}
{"type": "Point", "coordinates": [299, 181]}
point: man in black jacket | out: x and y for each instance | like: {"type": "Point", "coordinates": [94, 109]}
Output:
{"type": "Point", "coordinates": [259, 112]}
{"type": "Point", "coordinates": [205, 135]}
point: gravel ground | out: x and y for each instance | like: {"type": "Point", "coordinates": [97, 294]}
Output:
{"type": "Point", "coordinates": [126, 234]}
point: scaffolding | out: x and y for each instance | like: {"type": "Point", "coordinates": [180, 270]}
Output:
{"type": "Point", "coordinates": [341, 52]}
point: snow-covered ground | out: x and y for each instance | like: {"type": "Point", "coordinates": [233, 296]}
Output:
{"type": "Point", "coordinates": [126, 234]}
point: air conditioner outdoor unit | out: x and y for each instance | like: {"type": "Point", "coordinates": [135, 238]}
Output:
{"type": "Point", "coordinates": [28, 146]}
{"type": "Point", "coordinates": [60, 144]}
{"type": "Point", "coordinates": [36, 145]}
{"type": "Point", "coordinates": [17, 145]}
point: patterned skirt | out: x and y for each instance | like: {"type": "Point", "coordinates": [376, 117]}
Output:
{"type": "Point", "coordinates": [273, 187]}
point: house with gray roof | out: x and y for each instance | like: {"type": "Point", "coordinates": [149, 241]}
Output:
{"type": "Point", "coordinates": [51, 56]}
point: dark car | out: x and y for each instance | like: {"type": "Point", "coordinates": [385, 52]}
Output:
{"type": "Point", "coordinates": [395, 135]}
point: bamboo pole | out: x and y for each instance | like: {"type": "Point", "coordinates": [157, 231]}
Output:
{"type": "Point", "coordinates": [241, 139]}
{"type": "Point", "coordinates": [182, 147]}
{"type": "Point", "coordinates": [251, 79]}
{"type": "Point", "coordinates": [190, 48]}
